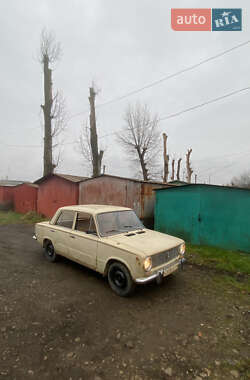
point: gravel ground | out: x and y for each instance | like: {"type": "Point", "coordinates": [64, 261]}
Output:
{"type": "Point", "coordinates": [62, 321]}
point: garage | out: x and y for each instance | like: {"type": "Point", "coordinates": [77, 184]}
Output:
{"type": "Point", "coordinates": [205, 215]}
{"type": "Point", "coordinates": [119, 191]}
{"type": "Point", "coordinates": [25, 198]}
{"type": "Point", "coordinates": [7, 193]}
{"type": "Point", "coordinates": [57, 190]}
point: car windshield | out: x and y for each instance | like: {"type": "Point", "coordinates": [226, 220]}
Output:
{"type": "Point", "coordinates": [111, 223]}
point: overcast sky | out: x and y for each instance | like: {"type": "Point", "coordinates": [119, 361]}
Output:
{"type": "Point", "coordinates": [122, 46]}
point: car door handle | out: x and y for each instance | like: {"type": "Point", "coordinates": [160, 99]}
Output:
{"type": "Point", "coordinates": [52, 230]}
{"type": "Point", "coordinates": [72, 237]}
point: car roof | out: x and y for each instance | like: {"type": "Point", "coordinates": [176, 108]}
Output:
{"type": "Point", "coordinates": [95, 209]}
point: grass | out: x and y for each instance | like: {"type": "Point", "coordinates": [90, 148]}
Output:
{"type": "Point", "coordinates": [232, 264]}
{"type": "Point", "coordinates": [218, 258]}
{"type": "Point", "coordinates": [226, 280]}
{"type": "Point", "coordinates": [11, 217]}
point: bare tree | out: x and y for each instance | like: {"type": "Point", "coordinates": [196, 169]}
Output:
{"type": "Point", "coordinates": [178, 169]}
{"type": "Point", "coordinates": [141, 139]}
{"type": "Point", "coordinates": [85, 148]}
{"type": "Point", "coordinates": [188, 166]}
{"type": "Point", "coordinates": [88, 141]}
{"type": "Point", "coordinates": [242, 180]}
{"type": "Point", "coordinates": [54, 109]}
{"type": "Point", "coordinates": [165, 159]}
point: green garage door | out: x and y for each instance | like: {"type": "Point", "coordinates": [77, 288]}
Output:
{"type": "Point", "coordinates": [203, 214]}
{"type": "Point", "coordinates": [225, 218]}
{"type": "Point", "coordinates": [177, 213]}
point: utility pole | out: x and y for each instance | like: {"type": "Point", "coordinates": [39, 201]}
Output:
{"type": "Point", "coordinates": [96, 155]}
{"type": "Point", "coordinates": [165, 158]}
{"type": "Point", "coordinates": [195, 178]}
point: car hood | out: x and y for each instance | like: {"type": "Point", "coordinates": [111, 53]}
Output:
{"type": "Point", "coordinates": [144, 244]}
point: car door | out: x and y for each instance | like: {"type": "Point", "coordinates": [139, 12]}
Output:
{"type": "Point", "coordinates": [83, 240]}
{"type": "Point", "coordinates": [60, 231]}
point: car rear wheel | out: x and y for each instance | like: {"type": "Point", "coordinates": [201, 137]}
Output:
{"type": "Point", "coordinates": [50, 252]}
{"type": "Point", "coordinates": [120, 279]}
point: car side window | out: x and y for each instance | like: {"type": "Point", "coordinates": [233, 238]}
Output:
{"type": "Point", "coordinates": [85, 223]}
{"type": "Point", "coordinates": [66, 219]}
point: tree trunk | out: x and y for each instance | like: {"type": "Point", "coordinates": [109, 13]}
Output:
{"type": "Point", "coordinates": [178, 169]}
{"type": "Point", "coordinates": [143, 164]}
{"type": "Point", "coordinates": [165, 158]}
{"type": "Point", "coordinates": [47, 155]}
{"type": "Point", "coordinates": [172, 176]}
{"type": "Point", "coordinates": [188, 165]}
{"type": "Point", "coordinates": [96, 155]}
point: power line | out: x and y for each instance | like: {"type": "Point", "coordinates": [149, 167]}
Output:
{"type": "Point", "coordinates": [20, 146]}
{"type": "Point", "coordinates": [218, 157]}
{"type": "Point", "coordinates": [33, 146]}
{"type": "Point", "coordinates": [160, 119]}
{"type": "Point", "coordinates": [192, 108]}
{"type": "Point", "coordinates": [165, 78]}
{"type": "Point", "coordinates": [227, 165]}
{"type": "Point", "coordinates": [170, 76]}
{"type": "Point", "coordinates": [205, 103]}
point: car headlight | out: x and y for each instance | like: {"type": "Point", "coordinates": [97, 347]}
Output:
{"type": "Point", "coordinates": [182, 249]}
{"type": "Point", "coordinates": [147, 264]}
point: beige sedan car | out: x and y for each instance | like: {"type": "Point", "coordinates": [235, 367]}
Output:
{"type": "Point", "coordinates": [113, 241]}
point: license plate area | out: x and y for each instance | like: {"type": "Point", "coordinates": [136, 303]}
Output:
{"type": "Point", "coordinates": [170, 268]}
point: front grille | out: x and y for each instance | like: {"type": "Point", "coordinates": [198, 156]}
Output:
{"type": "Point", "coordinates": [164, 257]}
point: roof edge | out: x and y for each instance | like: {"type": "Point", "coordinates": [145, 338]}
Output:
{"type": "Point", "coordinates": [129, 179]}
{"type": "Point", "coordinates": [202, 185]}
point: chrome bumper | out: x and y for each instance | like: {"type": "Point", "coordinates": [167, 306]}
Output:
{"type": "Point", "coordinates": [158, 276]}
{"type": "Point", "coordinates": [34, 237]}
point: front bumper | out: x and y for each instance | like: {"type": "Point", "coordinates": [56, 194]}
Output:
{"type": "Point", "coordinates": [158, 276]}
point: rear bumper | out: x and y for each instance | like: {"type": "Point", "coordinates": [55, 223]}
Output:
{"type": "Point", "coordinates": [158, 276]}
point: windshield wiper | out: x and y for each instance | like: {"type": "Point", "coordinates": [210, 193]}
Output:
{"type": "Point", "coordinates": [106, 232]}
{"type": "Point", "coordinates": [134, 227]}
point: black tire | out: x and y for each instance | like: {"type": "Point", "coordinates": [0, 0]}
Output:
{"type": "Point", "coordinates": [50, 252]}
{"type": "Point", "coordinates": [120, 279]}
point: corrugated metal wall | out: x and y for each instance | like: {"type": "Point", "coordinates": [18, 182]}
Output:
{"type": "Point", "coordinates": [6, 197]}
{"type": "Point", "coordinates": [120, 192]}
{"type": "Point", "coordinates": [207, 215]}
{"type": "Point", "coordinates": [25, 198]}
{"type": "Point", "coordinates": [111, 191]}
{"type": "Point", "coordinates": [56, 192]}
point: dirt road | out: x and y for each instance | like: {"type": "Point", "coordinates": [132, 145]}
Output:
{"type": "Point", "coordinates": [61, 321]}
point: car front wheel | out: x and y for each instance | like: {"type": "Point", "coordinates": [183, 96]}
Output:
{"type": "Point", "coordinates": [120, 279]}
{"type": "Point", "coordinates": [50, 252]}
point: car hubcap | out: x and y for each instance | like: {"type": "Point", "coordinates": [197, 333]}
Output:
{"type": "Point", "coordinates": [50, 250]}
{"type": "Point", "coordinates": [119, 278]}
